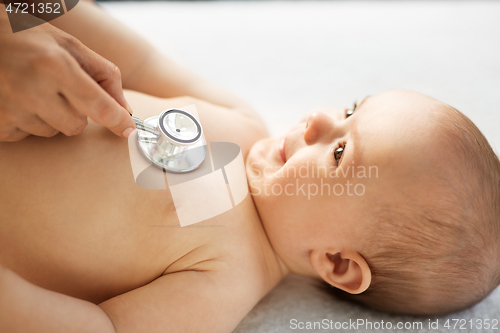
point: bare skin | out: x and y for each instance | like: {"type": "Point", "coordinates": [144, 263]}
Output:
{"type": "Point", "coordinates": [84, 249]}
{"type": "Point", "coordinates": [74, 222]}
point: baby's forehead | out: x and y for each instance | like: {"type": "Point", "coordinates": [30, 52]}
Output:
{"type": "Point", "coordinates": [397, 124]}
{"type": "Point", "coordinates": [400, 105]}
{"type": "Point", "coordinates": [401, 134]}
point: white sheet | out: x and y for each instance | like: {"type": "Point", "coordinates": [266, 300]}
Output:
{"type": "Point", "coordinates": [289, 57]}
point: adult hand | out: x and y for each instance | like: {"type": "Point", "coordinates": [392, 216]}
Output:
{"type": "Point", "coordinates": [50, 82]}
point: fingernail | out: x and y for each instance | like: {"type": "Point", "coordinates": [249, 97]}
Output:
{"type": "Point", "coordinates": [127, 132]}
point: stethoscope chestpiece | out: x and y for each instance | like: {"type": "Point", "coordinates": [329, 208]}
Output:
{"type": "Point", "coordinates": [172, 141]}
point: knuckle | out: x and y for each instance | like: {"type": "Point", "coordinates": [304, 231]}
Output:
{"type": "Point", "coordinates": [114, 72]}
{"type": "Point", "coordinates": [49, 61]}
{"type": "Point", "coordinates": [70, 40]}
{"type": "Point", "coordinates": [103, 113]}
{"type": "Point", "coordinates": [48, 132]}
{"type": "Point", "coordinates": [19, 137]}
{"type": "Point", "coordinates": [12, 136]}
{"type": "Point", "coordinates": [50, 56]}
{"type": "Point", "coordinates": [77, 127]}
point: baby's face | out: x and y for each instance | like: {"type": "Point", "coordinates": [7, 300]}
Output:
{"type": "Point", "coordinates": [316, 186]}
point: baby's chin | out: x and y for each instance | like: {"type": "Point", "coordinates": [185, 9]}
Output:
{"type": "Point", "coordinates": [262, 154]}
{"type": "Point", "coordinates": [259, 161]}
{"type": "Point", "coordinates": [259, 147]}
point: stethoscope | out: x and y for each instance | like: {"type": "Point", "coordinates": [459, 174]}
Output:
{"type": "Point", "coordinates": [172, 141]}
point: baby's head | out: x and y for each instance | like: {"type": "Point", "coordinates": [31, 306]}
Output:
{"type": "Point", "coordinates": [396, 203]}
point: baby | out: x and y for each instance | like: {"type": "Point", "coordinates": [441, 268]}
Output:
{"type": "Point", "coordinates": [418, 234]}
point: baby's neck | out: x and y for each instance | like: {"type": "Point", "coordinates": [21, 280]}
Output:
{"type": "Point", "coordinates": [272, 257]}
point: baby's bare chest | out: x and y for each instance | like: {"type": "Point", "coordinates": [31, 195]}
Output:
{"type": "Point", "coordinates": [98, 254]}
{"type": "Point", "coordinates": [89, 254]}
{"type": "Point", "coordinates": [75, 221]}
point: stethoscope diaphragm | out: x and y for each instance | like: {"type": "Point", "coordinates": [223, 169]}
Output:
{"type": "Point", "coordinates": [172, 141]}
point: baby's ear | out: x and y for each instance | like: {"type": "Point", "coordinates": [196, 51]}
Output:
{"type": "Point", "coordinates": [346, 270]}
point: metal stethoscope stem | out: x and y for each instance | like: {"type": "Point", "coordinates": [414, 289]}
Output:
{"type": "Point", "coordinates": [145, 127]}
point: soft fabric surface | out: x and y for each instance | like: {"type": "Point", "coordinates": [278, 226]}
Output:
{"type": "Point", "coordinates": [298, 298]}
{"type": "Point", "coordinates": [290, 57]}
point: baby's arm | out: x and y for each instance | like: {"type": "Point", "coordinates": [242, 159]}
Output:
{"type": "Point", "coordinates": [26, 308]}
{"type": "Point", "coordinates": [188, 301]}
{"type": "Point", "coordinates": [143, 68]}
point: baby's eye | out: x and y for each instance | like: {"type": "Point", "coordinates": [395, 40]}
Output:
{"type": "Point", "coordinates": [337, 154]}
{"type": "Point", "coordinates": [349, 112]}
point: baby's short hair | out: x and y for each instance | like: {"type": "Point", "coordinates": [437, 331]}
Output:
{"type": "Point", "coordinates": [439, 254]}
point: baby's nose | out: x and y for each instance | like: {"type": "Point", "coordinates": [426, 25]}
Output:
{"type": "Point", "coordinates": [318, 125]}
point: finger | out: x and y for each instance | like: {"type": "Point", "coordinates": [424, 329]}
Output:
{"type": "Point", "coordinates": [63, 117]}
{"type": "Point", "coordinates": [112, 83]}
{"type": "Point", "coordinates": [85, 95]}
{"type": "Point", "coordinates": [103, 71]}
{"type": "Point", "coordinates": [36, 126]}
{"type": "Point", "coordinates": [12, 135]}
